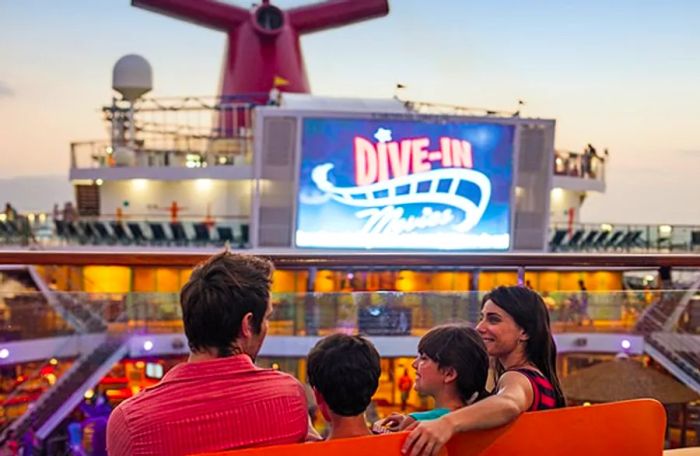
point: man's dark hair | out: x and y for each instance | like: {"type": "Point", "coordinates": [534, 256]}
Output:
{"type": "Point", "coordinates": [220, 292]}
{"type": "Point", "coordinates": [345, 370]}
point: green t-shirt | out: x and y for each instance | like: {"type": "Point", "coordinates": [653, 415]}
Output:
{"type": "Point", "coordinates": [433, 414]}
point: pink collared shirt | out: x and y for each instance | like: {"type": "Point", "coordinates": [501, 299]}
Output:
{"type": "Point", "coordinates": [210, 406]}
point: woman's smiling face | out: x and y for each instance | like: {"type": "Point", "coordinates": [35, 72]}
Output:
{"type": "Point", "coordinates": [500, 333]}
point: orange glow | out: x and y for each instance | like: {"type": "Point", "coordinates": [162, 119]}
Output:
{"type": "Point", "coordinates": [106, 279]}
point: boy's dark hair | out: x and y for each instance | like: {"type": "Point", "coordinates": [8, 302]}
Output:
{"type": "Point", "coordinates": [459, 347]}
{"type": "Point", "coordinates": [220, 292]}
{"type": "Point", "coordinates": [345, 370]}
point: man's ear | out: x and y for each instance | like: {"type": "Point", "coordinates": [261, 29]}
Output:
{"type": "Point", "coordinates": [247, 326]}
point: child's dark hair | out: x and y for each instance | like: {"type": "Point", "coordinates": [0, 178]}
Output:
{"type": "Point", "coordinates": [345, 370]}
{"type": "Point", "coordinates": [459, 347]}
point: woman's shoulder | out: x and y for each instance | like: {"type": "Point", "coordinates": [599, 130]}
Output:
{"type": "Point", "coordinates": [527, 371]}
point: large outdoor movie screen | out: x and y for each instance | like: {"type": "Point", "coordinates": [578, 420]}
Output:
{"type": "Point", "coordinates": [405, 184]}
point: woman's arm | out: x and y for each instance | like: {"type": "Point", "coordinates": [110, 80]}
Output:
{"type": "Point", "coordinates": [514, 395]}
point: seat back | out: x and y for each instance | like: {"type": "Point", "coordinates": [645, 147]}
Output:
{"type": "Point", "coordinates": [614, 239]}
{"type": "Point", "coordinates": [119, 231]}
{"type": "Point", "coordinates": [88, 229]}
{"type": "Point", "coordinates": [601, 240]}
{"type": "Point", "coordinates": [201, 232]}
{"type": "Point", "coordinates": [590, 237]}
{"type": "Point", "coordinates": [157, 232]}
{"type": "Point", "coordinates": [101, 230]}
{"type": "Point", "coordinates": [245, 232]}
{"type": "Point", "coordinates": [136, 231]}
{"type": "Point", "coordinates": [225, 233]}
{"type": "Point", "coordinates": [557, 239]}
{"type": "Point", "coordinates": [178, 232]}
{"type": "Point", "coordinates": [575, 238]}
{"type": "Point", "coordinates": [621, 428]}
{"type": "Point", "coordinates": [695, 238]}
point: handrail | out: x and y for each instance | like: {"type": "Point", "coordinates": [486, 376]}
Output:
{"type": "Point", "coordinates": [288, 259]}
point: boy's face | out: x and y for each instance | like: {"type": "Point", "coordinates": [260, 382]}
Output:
{"type": "Point", "coordinates": [429, 377]}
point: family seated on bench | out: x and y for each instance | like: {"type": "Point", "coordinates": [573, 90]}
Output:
{"type": "Point", "coordinates": [221, 400]}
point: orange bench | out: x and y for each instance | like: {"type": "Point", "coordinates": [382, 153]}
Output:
{"type": "Point", "coordinates": [622, 428]}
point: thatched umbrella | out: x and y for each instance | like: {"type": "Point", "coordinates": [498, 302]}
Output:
{"type": "Point", "coordinates": [624, 379]}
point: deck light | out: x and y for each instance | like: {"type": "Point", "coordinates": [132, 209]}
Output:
{"type": "Point", "coordinates": [4, 353]}
{"type": "Point", "coordinates": [625, 344]}
{"type": "Point", "coordinates": [203, 185]}
{"type": "Point", "coordinates": [148, 345]}
{"type": "Point", "coordinates": [138, 184]}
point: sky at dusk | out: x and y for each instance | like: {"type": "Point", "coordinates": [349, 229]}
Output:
{"type": "Point", "coordinates": [622, 75]}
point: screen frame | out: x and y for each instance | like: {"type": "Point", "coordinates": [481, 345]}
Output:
{"type": "Point", "coordinates": [304, 115]}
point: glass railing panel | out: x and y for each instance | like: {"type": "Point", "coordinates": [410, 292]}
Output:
{"type": "Point", "coordinates": [25, 316]}
{"type": "Point", "coordinates": [28, 315]}
{"type": "Point", "coordinates": [402, 314]}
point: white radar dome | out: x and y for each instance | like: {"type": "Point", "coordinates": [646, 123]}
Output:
{"type": "Point", "coordinates": [132, 76]}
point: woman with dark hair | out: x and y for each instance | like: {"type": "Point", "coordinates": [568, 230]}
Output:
{"type": "Point", "coordinates": [515, 329]}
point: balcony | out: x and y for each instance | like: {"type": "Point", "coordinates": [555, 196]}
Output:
{"type": "Point", "coordinates": [579, 171]}
{"type": "Point", "coordinates": [169, 139]}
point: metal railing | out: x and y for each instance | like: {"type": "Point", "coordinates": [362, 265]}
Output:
{"type": "Point", "coordinates": [600, 237]}
{"type": "Point", "coordinates": [586, 165]}
{"type": "Point", "coordinates": [192, 132]}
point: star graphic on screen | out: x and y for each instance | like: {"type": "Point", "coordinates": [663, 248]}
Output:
{"type": "Point", "coordinates": [383, 135]}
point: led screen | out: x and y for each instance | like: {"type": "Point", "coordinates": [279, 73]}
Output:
{"type": "Point", "coordinates": [404, 184]}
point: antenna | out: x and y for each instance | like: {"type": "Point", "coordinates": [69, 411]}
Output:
{"type": "Point", "coordinates": [132, 77]}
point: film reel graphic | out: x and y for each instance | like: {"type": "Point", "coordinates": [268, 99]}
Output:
{"type": "Point", "coordinates": [404, 190]}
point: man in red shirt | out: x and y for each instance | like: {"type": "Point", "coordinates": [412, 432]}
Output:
{"type": "Point", "coordinates": [219, 399]}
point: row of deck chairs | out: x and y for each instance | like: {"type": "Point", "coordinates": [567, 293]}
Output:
{"type": "Point", "coordinates": [15, 231]}
{"type": "Point", "coordinates": [596, 240]}
{"type": "Point", "coordinates": [153, 233]}
{"type": "Point", "coordinates": [9, 229]}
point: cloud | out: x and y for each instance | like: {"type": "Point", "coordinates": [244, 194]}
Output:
{"type": "Point", "coordinates": [5, 90]}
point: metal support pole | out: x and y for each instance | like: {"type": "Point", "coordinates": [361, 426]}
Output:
{"type": "Point", "coordinates": [474, 304]}
{"type": "Point", "coordinates": [684, 423]}
{"type": "Point", "coordinates": [311, 308]}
